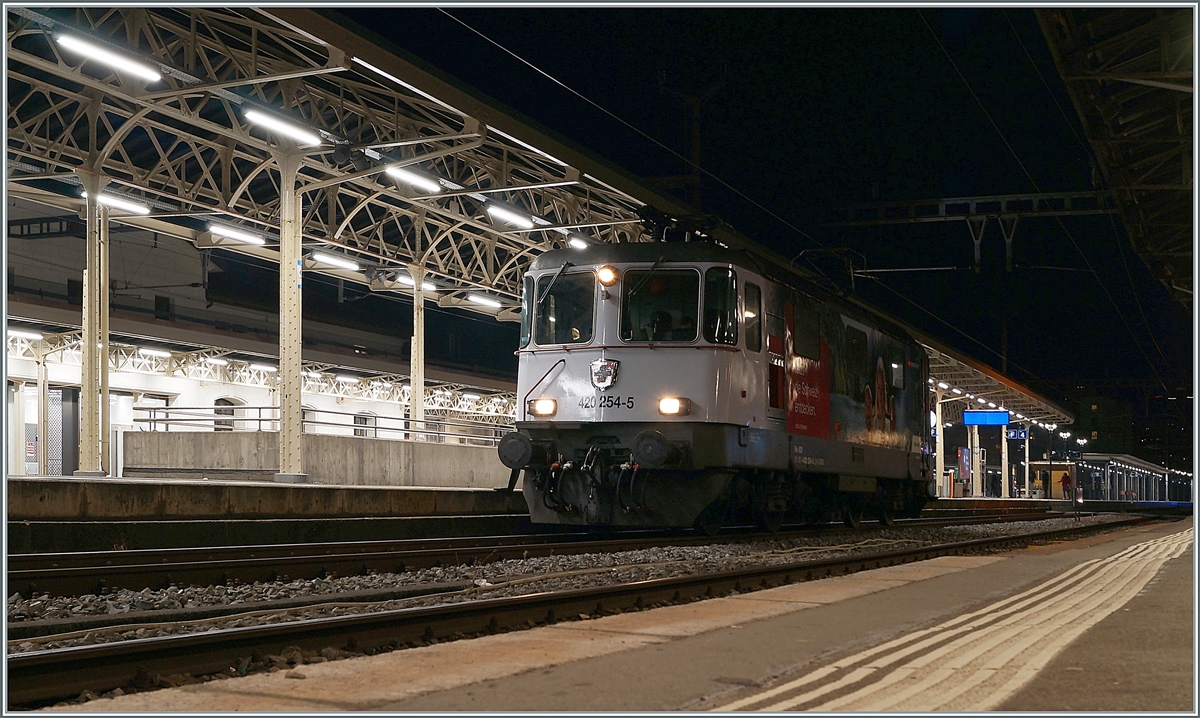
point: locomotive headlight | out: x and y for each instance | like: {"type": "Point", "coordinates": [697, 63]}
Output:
{"type": "Point", "coordinates": [543, 407]}
{"type": "Point", "coordinates": [674, 406]}
{"type": "Point", "coordinates": [607, 275]}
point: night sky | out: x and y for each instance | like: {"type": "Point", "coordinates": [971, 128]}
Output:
{"type": "Point", "coordinates": [823, 107]}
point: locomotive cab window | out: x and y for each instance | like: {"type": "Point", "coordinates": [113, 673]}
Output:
{"type": "Point", "coordinates": [564, 314]}
{"type": "Point", "coordinates": [720, 306]}
{"type": "Point", "coordinates": [659, 305]}
{"type": "Point", "coordinates": [526, 310]}
{"type": "Point", "coordinates": [753, 317]}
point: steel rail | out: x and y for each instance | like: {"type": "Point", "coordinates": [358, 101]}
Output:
{"type": "Point", "coordinates": [38, 677]}
{"type": "Point", "coordinates": [73, 574]}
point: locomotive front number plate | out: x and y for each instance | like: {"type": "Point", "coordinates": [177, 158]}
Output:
{"type": "Point", "coordinates": [616, 402]}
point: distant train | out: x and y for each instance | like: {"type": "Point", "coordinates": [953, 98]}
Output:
{"type": "Point", "coordinates": [678, 384]}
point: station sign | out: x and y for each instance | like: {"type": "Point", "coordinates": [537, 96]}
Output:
{"type": "Point", "coordinates": [985, 418]}
{"type": "Point", "coordinates": [1018, 434]}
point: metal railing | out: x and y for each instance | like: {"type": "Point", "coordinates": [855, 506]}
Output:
{"type": "Point", "coordinates": [319, 421]}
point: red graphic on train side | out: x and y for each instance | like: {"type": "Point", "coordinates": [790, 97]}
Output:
{"type": "Point", "coordinates": [808, 385]}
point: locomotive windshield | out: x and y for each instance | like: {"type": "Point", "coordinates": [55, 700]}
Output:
{"type": "Point", "coordinates": [659, 305]}
{"type": "Point", "coordinates": [564, 316]}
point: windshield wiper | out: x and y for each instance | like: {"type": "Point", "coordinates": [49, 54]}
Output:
{"type": "Point", "coordinates": [653, 269]}
{"type": "Point", "coordinates": [549, 286]}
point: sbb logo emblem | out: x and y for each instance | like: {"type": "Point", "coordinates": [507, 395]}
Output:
{"type": "Point", "coordinates": [604, 373]}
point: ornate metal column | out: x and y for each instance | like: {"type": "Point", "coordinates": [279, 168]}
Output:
{"type": "Point", "coordinates": [1005, 488]}
{"type": "Point", "coordinates": [291, 418]}
{"type": "Point", "coordinates": [92, 350]}
{"type": "Point", "coordinates": [416, 369]}
{"type": "Point", "coordinates": [976, 468]}
{"type": "Point", "coordinates": [104, 294]}
{"type": "Point", "coordinates": [43, 430]}
{"type": "Point", "coordinates": [18, 429]}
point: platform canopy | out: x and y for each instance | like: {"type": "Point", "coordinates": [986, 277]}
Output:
{"type": "Point", "coordinates": [1129, 72]}
{"type": "Point", "coordinates": [969, 384]}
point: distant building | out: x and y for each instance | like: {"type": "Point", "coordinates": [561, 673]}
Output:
{"type": "Point", "coordinates": [1107, 424]}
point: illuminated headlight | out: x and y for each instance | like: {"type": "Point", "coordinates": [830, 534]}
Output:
{"type": "Point", "coordinates": [607, 275]}
{"type": "Point", "coordinates": [543, 407]}
{"type": "Point", "coordinates": [674, 406]}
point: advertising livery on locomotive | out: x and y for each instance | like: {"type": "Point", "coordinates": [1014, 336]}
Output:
{"type": "Point", "coordinates": [676, 384]}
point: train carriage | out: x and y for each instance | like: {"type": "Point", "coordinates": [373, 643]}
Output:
{"type": "Point", "coordinates": [674, 384]}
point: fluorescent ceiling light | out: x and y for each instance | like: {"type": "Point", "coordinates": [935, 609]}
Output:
{"type": "Point", "coordinates": [348, 379]}
{"type": "Point", "coordinates": [507, 215]}
{"type": "Point", "coordinates": [485, 301]}
{"type": "Point", "coordinates": [287, 129]}
{"type": "Point", "coordinates": [153, 352]}
{"type": "Point", "coordinates": [992, 404]}
{"type": "Point", "coordinates": [334, 260]}
{"type": "Point", "coordinates": [112, 59]}
{"type": "Point", "coordinates": [24, 334]}
{"type": "Point", "coordinates": [419, 181]}
{"type": "Point", "coordinates": [943, 385]}
{"type": "Point", "coordinates": [313, 374]}
{"type": "Point", "coordinates": [981, 400]}
{"type": "Point", "coordinates": [236, 234]}
{"type": "Point", "coordinates": [471, 397]}
{"type": "Point", "coordinates": [120, 203]}
{"type": "Point", "coordinates": [577, 243]}
{"type": "Point", "coordinates": [216, 361]}
{"type": "Point", "coordinates": [407, 280]}
{"type": "Point", "coordinates": [956, 390]}
{"type": "Point", "coordinates": [264, 367]}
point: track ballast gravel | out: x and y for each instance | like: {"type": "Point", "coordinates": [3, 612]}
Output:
{"type": "Point", "coordinates": [498, 579]}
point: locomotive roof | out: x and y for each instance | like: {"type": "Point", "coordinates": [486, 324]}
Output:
{"type": "Point", "coordinates": [643, 252]}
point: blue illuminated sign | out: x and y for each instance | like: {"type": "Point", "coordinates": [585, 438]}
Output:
{"type": "Point", "coordinates": [985, 418]}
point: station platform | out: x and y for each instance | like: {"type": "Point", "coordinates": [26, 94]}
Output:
{"type": "Point", "coordinates": [95, 514]}
{"type": "Point", "coordinates": [1012, 639]}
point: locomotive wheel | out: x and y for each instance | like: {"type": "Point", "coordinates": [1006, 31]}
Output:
{"type": "Point", "coordinates": [710, 519]}
{"type": "Point", "coordinates": [771, 521]}
{"type": "Point", "coordinates": [885, 513]}
{"type": "Point", "coordinates": [852, 513]}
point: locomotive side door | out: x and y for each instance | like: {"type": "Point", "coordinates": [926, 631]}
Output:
{"type": "Point", "coordinates": [775, 374]}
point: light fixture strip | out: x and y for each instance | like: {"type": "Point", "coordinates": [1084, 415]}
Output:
{"type": "Point", "coordinates": [236, 234]}
{"type": "Point", "coordinates": [421, 182]}
{"type": "Point", "coordinates": [92, 51]}
{"type": "Point", "coordinates": [507, 215]}
{"type": "Point", "coordinates": [334, 260]}
{"type": "Point", "coordinates": [484, 301]}
{"type": "Point", "coordinates": [287, 129]}
{"type": "Point", "coordinates": [119, 203]}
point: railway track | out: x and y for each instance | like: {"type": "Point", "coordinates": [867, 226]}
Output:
{"type": "Point", "coordinates": [73, 574]}
{"type": "Point", "coordinates": [39, 677]}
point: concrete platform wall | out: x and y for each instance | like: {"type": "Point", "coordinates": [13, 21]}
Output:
{"type": "Point", "coordinates": [107, 499]}
{"type": "Point", "coordinates": [334, 460]}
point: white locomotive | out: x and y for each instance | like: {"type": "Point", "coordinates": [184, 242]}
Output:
{"type": "Point", "coordinates": [673, 384]}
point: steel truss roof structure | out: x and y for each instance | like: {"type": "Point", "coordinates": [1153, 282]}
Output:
{"type": "Point", "coordinates": [184, 147]}
{"type": "Point", "coordinates": [1129, 74]}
